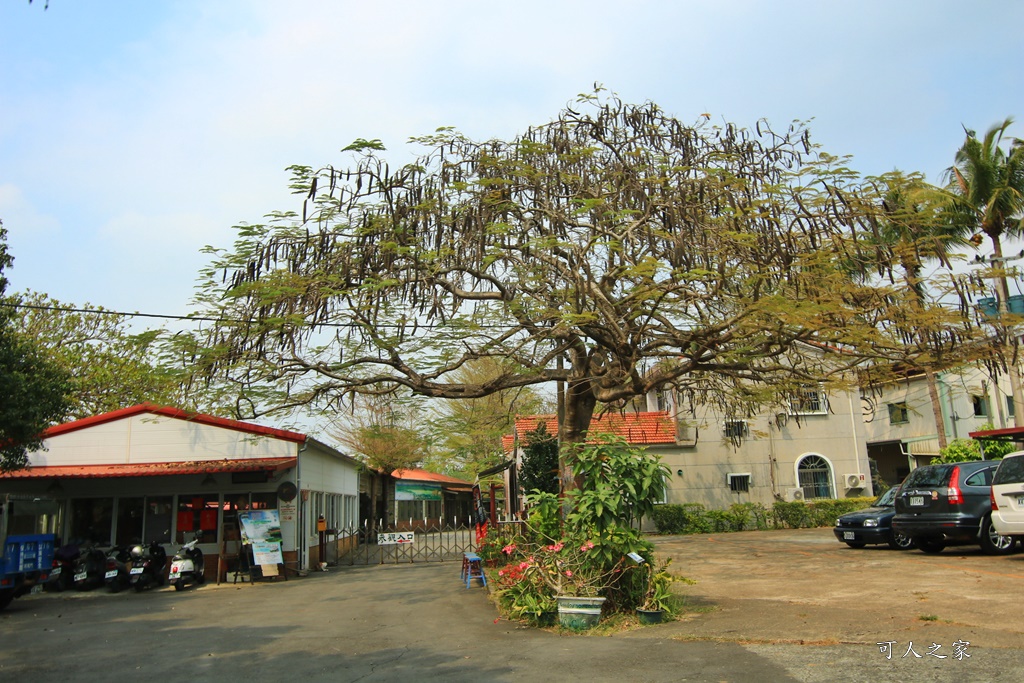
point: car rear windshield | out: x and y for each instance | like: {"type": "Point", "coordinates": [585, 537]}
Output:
{"type": "Point", "coordinates": [1010, 471]}
{"type": "Point", "coordinates": [931, 475]}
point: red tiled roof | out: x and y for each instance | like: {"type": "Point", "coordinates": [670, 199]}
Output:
{"type": "Point", "coordinates": [167, 411]}
{"type": "Point", "coordinates": [413, 474]}
{"type": "Point", "coordinates": [638, 429]}
{"type": "Point", "coordinates": [151, 469]}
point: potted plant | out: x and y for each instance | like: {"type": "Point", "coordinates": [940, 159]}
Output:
{"type": "Point", "coordinates": [657, 595]}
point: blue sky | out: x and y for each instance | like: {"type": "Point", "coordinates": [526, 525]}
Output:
{"type": "Point", "coordinates": [133, 134]}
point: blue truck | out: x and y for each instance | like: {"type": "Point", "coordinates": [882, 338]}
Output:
{"type": "Point", "coordinates": [27, 559]}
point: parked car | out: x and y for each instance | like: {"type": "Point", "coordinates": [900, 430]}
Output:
{"type": "Point", "coordinates": [872, 525]}
{"type": "Point", "coordinates": [1007, 496]}
{"type": "Point", "coordinates": [940, 504]}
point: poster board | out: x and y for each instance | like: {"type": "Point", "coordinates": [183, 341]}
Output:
{"type": "Point", "coordinates": [261, 529]}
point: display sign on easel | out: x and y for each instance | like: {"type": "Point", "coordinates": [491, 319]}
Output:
{"type": "Point", "coordinates": [261, 529]}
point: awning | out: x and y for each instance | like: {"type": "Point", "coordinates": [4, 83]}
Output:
{"type": "Point", "coordinates": [922, 447]}
{"type": "Point", "coordinates": [156, 469]}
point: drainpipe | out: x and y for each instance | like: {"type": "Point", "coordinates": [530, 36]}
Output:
{"type": "Point", "coordinates": [300, 532]}
{"type": "Point", "coordinates": [856, 444]}
{"type": "Point", "coordinates": [953, 418]}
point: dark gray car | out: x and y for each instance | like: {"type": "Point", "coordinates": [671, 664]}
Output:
{"type": "Point", "coordinates": [872, 525]}
{"type": "Point", "coordinates": [940, 504]}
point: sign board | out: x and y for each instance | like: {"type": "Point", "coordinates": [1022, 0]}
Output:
{"type": "Point", "coordinates": [262, 530]}
{"type": "Point", "coordinates": [288, 511]}
{"type": "Point", "coordinates": [417, 490]}
{"type": "Point", "coordinates": [396, 537]}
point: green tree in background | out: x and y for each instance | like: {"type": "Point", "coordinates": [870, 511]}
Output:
{"type": "Point", "coordinates": [110, 366]}
{"type": "Point", "coordinates": [33, 390]}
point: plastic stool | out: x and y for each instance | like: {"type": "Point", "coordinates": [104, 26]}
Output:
{"type": "Point", "coordinates": [472, 568]}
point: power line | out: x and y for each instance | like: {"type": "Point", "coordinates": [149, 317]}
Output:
{"type": "Point", "coordinates": [199, 318]}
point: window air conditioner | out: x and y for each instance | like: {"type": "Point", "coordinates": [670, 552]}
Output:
{"type": "Point", "coordinates": [796, 494]}
{"type": "Point", "coordinates": [854, 481]}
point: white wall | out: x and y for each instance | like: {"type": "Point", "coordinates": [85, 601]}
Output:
{"type": "Point", "coordinates": [150, 438]}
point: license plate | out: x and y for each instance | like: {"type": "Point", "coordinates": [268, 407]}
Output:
{"type": "Point", "coordinates": [1020, 501]}
{"type": "Point", "coordinates": [136, 570]}
{"type": "Point", "coordinates": [55, 571]}
{"type": "Point", "coordinates": [82, 576]}
{"type": "Point", "coordinates": [917, 501]}
{"type": "Point", "coordinates": [111, 574]}
{"type": "Point", "coordinates": [849, 535]}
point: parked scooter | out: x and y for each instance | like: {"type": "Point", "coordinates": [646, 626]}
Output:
{"type": "Point", "coordinates": [62, 576]}
{"type": "Point", "coordinates": [116, 576]}
{"type": "Point", "coordinates": [90, 566]}
{"type": "Point", "coordinates": [148, 566]}
{"type": "Point", "coordinates": [187, 565]}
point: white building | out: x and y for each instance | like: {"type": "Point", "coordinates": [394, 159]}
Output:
{"type": "Point", "coordinates": [150, 473]}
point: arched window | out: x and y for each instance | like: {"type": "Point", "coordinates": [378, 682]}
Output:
{"type": "Point", "coordinates": [815, 477]}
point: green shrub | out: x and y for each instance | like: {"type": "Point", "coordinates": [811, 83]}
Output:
{"type": "Point", "coordinates": [692, 518]}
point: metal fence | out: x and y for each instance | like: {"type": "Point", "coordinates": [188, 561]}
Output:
{"type": "Point", "coordinates": [405, 542]}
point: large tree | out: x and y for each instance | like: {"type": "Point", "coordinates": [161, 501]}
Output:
{"type": "Point", "coordinates": [33, 390]}
{"type": "Point", "coordinates": [614, 249]}
{"type": "Point", "coordinates": [987, 190]}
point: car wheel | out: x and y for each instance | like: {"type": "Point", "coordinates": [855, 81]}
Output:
{"type": "Point", "coordinates": [855, 544]}
{"type": "Point", "coordinates": [930, 545]}
{"type": "Point", "coordinates": [900, 541]}
{"type": "Point", "coordinates": [991, 542]}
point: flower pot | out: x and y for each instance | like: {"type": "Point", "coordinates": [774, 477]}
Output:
{"type": "Point", "coordinates": [650, 616]}
{"type": "Point", "coordinates": [579, 613]}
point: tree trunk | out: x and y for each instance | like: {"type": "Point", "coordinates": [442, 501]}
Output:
{"type": "Point", "coordinates": [580, 403]}
{"type": "Point", "coordinates": [1012, 360]}
{"type": "Point", "coordinates": [933, 393]}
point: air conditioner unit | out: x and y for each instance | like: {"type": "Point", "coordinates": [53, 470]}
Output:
{"type": "Point", "coordinates": [796, 494]}
{"type": "Point", "coordinates": [854, 481]}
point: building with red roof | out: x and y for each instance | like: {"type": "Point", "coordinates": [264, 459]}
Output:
{"type": "Point", "coordinates": [156, 473]}
{"type": "Point", "coordinates": [814, 449]}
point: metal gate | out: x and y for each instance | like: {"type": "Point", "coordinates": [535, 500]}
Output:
{"type": "Point", "coordinates": [400, 544]}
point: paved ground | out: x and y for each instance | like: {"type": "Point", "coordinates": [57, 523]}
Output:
{"type": "Point", "coordinates": [758, 597]}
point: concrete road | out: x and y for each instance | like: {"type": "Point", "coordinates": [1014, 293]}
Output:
{"type": "Point", "coordinates": [420, 623]}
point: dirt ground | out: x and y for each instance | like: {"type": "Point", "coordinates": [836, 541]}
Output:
{"type": "Point", "coordinates": [804, 586]}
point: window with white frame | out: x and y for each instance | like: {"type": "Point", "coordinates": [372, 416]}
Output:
{"type": "Point", "coordinates": [739, 482]}
{"type": "Point", "coordinates": [815, 477]}
{"type": "Point", "coordinates": [808, 401]}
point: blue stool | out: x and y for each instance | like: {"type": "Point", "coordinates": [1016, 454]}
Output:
{"type": "Point", "coordinates": [472, 568]}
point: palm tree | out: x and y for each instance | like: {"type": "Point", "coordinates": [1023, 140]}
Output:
{"type": "Point", "coordinates": [913, 230]}
{"type": "Point", "coordinates": [988, 186]}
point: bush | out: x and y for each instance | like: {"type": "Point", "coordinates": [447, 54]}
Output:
{"type": "Point", "coordinates": [692, 518]}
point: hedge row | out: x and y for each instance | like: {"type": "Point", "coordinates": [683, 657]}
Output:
{"type": "Point", "coordinates": [693, 518]}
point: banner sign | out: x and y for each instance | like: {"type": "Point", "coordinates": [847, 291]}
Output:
{"type": "Point", "coordinates": [262, 530]}
{"type": "Point", "coordinates": [395, 538]}
{"type": "Point", "coordinates": [417, 490]}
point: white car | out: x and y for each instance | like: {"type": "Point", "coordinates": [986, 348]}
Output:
{"type": "Point", "coordinates": [1008, 495]}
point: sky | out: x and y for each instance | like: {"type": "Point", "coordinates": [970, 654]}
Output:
{"type": "Point", "coordinates": [134, 134]}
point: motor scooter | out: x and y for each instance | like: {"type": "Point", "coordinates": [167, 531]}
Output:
{"type": "Point", "coordinates": [90, 565]}
{"type": "Point", "coordinates": [62, 576]}
{"type": "Point", "coordinates": [148, 566]}
{"type": "Point", "coordinates": [187, 565]}
{"type": "Point", "coordinates": [116, 576]}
